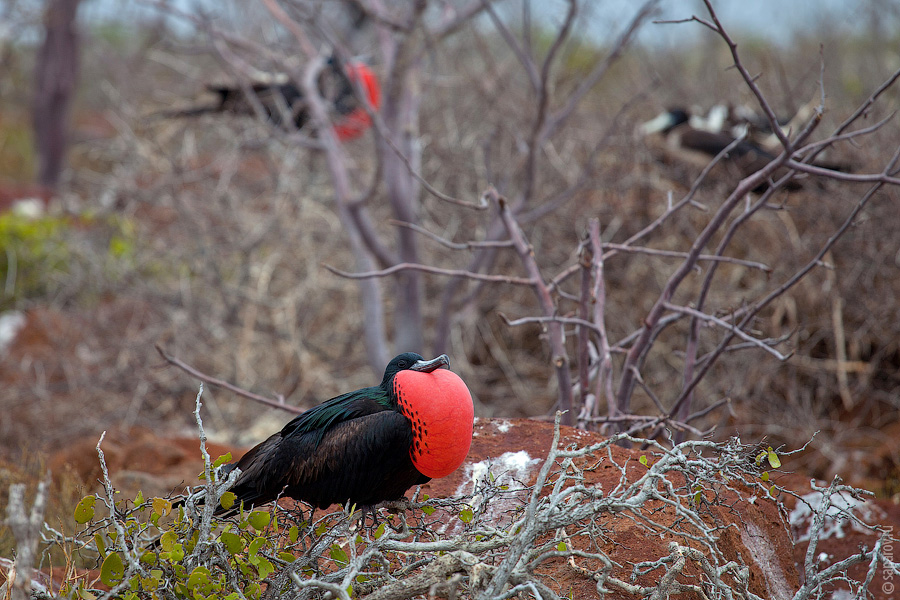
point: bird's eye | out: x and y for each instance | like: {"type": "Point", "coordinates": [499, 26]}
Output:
{"type": "Point", "coordinates": [402, 363]}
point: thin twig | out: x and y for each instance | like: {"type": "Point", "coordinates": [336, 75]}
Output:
{"type": "Point", "coordinates": [728, 326]}
{"type": "Point", "coordinates": [278, 402]}
{"type": "Point", "coordinates": [430, 269]}
{"type": "Point", "coordinates": [447, 243]}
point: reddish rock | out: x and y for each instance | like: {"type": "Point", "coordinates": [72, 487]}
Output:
{"type": "Point", "coordinates": [138, 460]}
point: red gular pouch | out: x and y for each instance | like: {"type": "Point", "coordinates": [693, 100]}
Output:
{"type": "Point", "coordinates": [440, 409]}
{"type": "Point", "coordinates": [355, 123]}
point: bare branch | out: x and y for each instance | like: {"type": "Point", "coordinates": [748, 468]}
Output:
{"type": "Point", "coordinates": [557, 336]}
{"type": "Point", "coordinates": [615, 248]}
{"type": "Point", "coordinates": [552, 319]}
{"type": "Point", "coordinates": [452, 245]}
{"type": "Point", "coordinates": [525, 59]}
{"type": "Point", "coordinates": [277, 402]}
{"type": "Point", "coordinates": [26, 530]}
{"type": "Point", "coordinates": [794, 279]}
{"type": "Point", "coordinates": [430, 269]}
{"type": "Point", "coordinates": [729, 326]}
{"type": "Point", "coordinates": [599, 70]}
{"type": "Point", "coordinates": [748, 79]}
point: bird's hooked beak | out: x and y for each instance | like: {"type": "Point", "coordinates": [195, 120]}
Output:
{"type": "Point", "coordinates": [427, 366]}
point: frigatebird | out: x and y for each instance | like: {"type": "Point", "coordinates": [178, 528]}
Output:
{"type": "Point", "coordinates": [698, 144]}
{"type": "Point", "coordinates": [364, 447]}
{"type": "Point", "coordinates": [282, 102]}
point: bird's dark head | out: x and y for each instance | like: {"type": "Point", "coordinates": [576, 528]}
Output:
{"type": "Point", "coordinates": [678, 115]}
{"type": "Point", "coordinates": [666, 122]}
{"type": "Point", "coordinates": [412, 362]}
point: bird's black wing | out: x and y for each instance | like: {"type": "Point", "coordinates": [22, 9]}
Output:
{"type": "Point", "coordinates": [364, 460]}
{"type": "Point", "coordinates": [712, 143]}
{"type": "Point", "coordinates": [351, 405]}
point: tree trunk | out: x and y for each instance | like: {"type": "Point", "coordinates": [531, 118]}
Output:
{"type": "Point", "coordinates": [55, 78]}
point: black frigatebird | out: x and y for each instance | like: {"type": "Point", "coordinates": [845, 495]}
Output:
{"type": "Point", "coordinates": [365, 447]}
{"type": "Point", "coordinates": [697, 142]}
{"type": "Point", "coordinates": [281, 100]}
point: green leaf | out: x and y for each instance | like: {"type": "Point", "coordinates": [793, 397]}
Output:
{"type": "Point", "coordinates": [643, 460]}
{"type": "Point", "coordinates": [765, 476]}
{"type": "Point", "coordinates": [167, 541]}
{"type": "Point", "coordinates": [148, 558]}
{"type": "Point", "coordinates": [321, 529]}
{"type": "Point", "coordinates": [698, 497]}
{"type": "Point", "coordinates": [466, 515]}
{"type": "Point", "coordinates": [162, 506]}
{"type": "Point", "coordinates": [293, 534]}
{"type": "Point", "coordinates": [112, 571]}
{"type": "Point", "coordinates": [85, 595]}
{"type": "Point", "coordinates": [380, 531]}
{"type": "Point", "coordinates": [773, 458]}
{"type": "Point", "coordinates": [176, 554]}
{"type": "Point", "coordinates": [561, 546]}
{"type": "Point", "coordinates": [252, 590]}
{"type": "Point", "coordinates": [264, 568]}
{"type": "Point", "coordinates": [222, 460]}
{"type": "Point", "coordinates": [287, 557]}
{"type": "Point", "coordinates": [198, 578]}
{"type": "Point", "coordinates": [760, 456]}
{"type": "Point", "coordinates": [255, 545]}
{"type": "Point", "coordinates": [192, 542]}
{"type": "Point", "coordinates": [428, 509]}
{"type": "Point", "coordinates": [84, 511]}
{"type": "Point", "coordinates": [337, 553]}
{"type": "Point", "coordinates": [227, 500]}
{"type": "Point", "coordinates": [100, 542]}
{"type": "Point", "coordinates": [232, 541]}
{"type": "Point", "coordinates": [139, 499]}
{"type": "Point", "coordinates": [259, 519]}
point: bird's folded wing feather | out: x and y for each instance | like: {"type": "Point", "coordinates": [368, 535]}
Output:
{"type": "Point", "coordinates": [356, 455]}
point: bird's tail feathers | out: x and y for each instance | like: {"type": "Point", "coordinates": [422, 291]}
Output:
{"type": "Point", "coordinates": [178, 113]}
{"type": "Point", "coordinates": [225, 478]}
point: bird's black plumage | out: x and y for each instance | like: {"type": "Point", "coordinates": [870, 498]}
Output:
{"type": "Point", "coordinates": [696, 145]}
{"type": "Point", "coordinates": [353, 448]}
{"type": "Point", "coordinates": [282, 103]}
